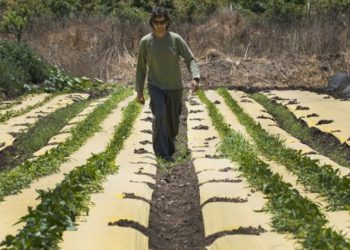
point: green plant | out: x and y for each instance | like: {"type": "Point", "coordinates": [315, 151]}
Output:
{"type": "Point", "coordinates": [12, 78]}
{"type": "Point", "coordinates": [287, 121]}
{"type": "Point", "coordinates": [10, 114]}
{"type": "Point", "coordinates": [13, 181]}
{"type": "Point", "coordinates": [18, 14]}
{"type": "Point", "coordinates": [60, 206]}
{"type": "Point", "coordinates": [292, 213]}
{"type": "Point", "coordinates": [39, 134]}
{"type": "Point", "coordinates": [21, 66]}
{"type": "Point", "coordinates": [318, 178]}
{"type": "Point", "coordinates": [61, 8]}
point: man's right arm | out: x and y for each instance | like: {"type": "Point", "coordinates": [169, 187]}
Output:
{"type": "Point", "coordinates": [141, 68]}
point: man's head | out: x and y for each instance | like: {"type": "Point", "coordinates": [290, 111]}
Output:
{"type": "Point", "coordinates": [159, 17]}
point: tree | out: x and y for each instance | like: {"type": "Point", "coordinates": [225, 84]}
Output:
{"type": "Point", "coordinates": [14, 23]}
{"type": "Point", "coordinates": [61, 8]}
{"type": "Point", "coordinates": [18, 15]}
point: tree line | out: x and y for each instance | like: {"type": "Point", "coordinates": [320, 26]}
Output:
{"type": "Point", "coordinates": [16, 15]}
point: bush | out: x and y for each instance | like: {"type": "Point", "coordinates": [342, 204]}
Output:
{"type": "Point", "coordinates": [130, 14]}
{"type": "Point", "coordinates": [12, 79]}
{"type": "Point", "coordinates": [21, 56]}
{"type": "Point", "coordinates": [19, 67]}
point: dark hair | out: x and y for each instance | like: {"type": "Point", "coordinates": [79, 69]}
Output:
{"type": "Point", "coordinates": [160, 12]}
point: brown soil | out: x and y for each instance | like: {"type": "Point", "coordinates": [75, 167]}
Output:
{"type": "Point", "coordinates": [224, 180]}
{"type": "Point", "coordinates": [241, 230]}
{"type": "Point", "coordinates": [147, 119]}
{"type": "Point", "coordinates": [196, 111]}
{"type": "Point", "coordinates": [312, 115]}
{"type": "Point", "coordinates": [140, 151]}
{"type": "Point", "coordinates": [265, 117]}
{"type": "Point", "coordinates": [223, 199]}
{"type": "Point", "coordinates": [210, 138]}
{"type": "Point", "coordinates": [145, 142]}
{"type": "Point", "coordinates": [146, 131]}
{"type": "Point", "coordinates": [265, 73]}
{"type": "Point", "coordinates": [321, 122]}
{"type": "Point", "coordinates": [302, 108]}
{"type": "Point", "coordinates": [175, 213]}
{"type": "Point", "coordinates": [11, 157]}
{"type": "Point", "coordinates": [176, 217]}
{"type": "Point", "coordinates": [325, 143]}
{"type": "Point", "coordinates": [201, 127]}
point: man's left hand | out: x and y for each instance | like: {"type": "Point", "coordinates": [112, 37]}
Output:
{"type": "Point", "coordinates": [195, 86]}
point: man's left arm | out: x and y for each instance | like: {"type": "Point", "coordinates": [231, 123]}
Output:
{"type": "Point", "coordinates": [192, 66]}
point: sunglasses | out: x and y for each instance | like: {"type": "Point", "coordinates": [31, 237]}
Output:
{"type": "Point", "coordinates": [159, 22]}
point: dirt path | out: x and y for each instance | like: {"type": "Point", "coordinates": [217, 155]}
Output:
{"type": "Point", "coordinates": [228, 204]}
{"type": "Point", "coordinates": [176, 218]}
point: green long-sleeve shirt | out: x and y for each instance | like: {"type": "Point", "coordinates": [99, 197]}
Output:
{"type": "Point", "coordinates": [161, 58]}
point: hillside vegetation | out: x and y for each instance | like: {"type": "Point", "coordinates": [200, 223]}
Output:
{"type": "Point", "coordinates": [99, 38]}
{"type": "Point", "coordinates": [16, 16]}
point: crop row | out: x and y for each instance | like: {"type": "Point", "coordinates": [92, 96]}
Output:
{"type": "Point", "coordinates": [39, 134]}
{"type": "Point", "coordinates": [11, 113]}
{"type": "Point", "coordinates": [13, 181]}
{"type": "Point", "coordinates": [60, 207]}
{"type": "Point", "coordinates": [291, 212]}
{"type": "Point", "coordinates": [322, 179]}
{"type": "Point", "coordinates": [288, 121]}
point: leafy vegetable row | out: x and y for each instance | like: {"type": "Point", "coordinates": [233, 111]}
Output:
{"type": "Point", "coordinates": [321, 179]}
{"type": "Point", "coordinates": [292, 213]}
{"type": "Point", "coordinates": [299, 129]}
{"type": "Point", "coordinates": [12, 113]}
{"type": "Point", "coordinates": [60, 207]}
{"type": "Point", "coordinates": [39, 134]}
{"type": "Point", "coordinates": [13, 181]}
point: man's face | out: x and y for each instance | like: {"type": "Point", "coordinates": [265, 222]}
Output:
{"type": "Point", "coordinates": [159, 24]}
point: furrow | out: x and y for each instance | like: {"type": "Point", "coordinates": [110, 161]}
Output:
{"type": "Point", "coordinates": [15, 206]}
{"type": "Point", "coordinates": [267, 122]}
{"type": "Point", "coordinates": [331, 114]}
{"type": "Point", "coordinates": [26, 103]}
{"type": "Point", "coordinates": [292, 212]}
{"type": "Point", "coordinates": [11, 182]}
{"type": "Point", "coordinates": [20, 124]}
{"type": "Point", "coordinates": [229, 204]}
{"type": "Point", "coordinates": [9, 104]}
{"type": "Point", "coordinates": [65, 132]}
{"type": "Point", "coordinates": [322, 179]}
{"type": "Point", "coordinates": [339, 220]}
{"type": "Point", "coordinates": [125, 200]}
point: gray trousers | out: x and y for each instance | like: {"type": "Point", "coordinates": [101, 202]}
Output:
{"type": "Point", "coordinates": [166, 107]}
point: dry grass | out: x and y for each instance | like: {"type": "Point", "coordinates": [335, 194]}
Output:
{"type": "Point", "coordinates": [107, 49]}
{"type": "Point", "coordinates": [95, 47]}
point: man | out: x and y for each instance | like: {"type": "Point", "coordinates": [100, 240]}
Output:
{"type": "Point", "coordinates": [159, 59]}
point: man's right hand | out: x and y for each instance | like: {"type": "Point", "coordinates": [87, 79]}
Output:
{"type": "Point", "coordinates": [140, 98]}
